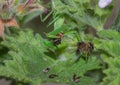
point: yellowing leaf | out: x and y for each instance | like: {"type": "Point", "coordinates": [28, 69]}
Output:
{"type": "Point", "coordinates": [1, 29]}
{"type": "Point", "coordinates": [11, 23]}
{"type": "Point", "coordinates": [8, 23]}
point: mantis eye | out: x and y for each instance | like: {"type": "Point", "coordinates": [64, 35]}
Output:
{"type": "Point", "coordinates": [104, 3]}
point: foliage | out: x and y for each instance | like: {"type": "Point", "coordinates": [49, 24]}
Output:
{"type": "Point", "coordinates": [80, 13]}
{"type": "Point", "coordinates": [112, 72]}
{"type": "Point", "coordinates": [28, 62]}
{"type": "Point", "coordinates": [110, 44]}
{"type": "Point", "coordinates": [27, 57]}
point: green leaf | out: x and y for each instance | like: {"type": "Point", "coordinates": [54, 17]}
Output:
{"type": "Point", "coordinates": [80, 12]}
{"type": "Point", "coordinates": [58, 24]}
{"type": "Point", "coordinates": [28, 58]}
{"type": "Point", "coordinates": [112, 73]}
{"type": "Point", "coordinates": [31, 16]}
{"type": "Point", "coordinates": [63, 29]}
{"type": "Point", "coordinates": [109, 42]}
{"type": "Point", "coordinates": [109, 35]}
{"type": "Point", "coordinates": [69, 68]}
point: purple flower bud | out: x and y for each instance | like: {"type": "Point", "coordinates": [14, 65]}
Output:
{"type": "Point", "coordinates": [104, 3]}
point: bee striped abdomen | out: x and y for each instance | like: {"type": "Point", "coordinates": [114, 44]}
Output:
{"type": "Point", "coordinates": [57, 41]}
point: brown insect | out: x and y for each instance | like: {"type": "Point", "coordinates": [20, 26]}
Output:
{"type": "Point", "coordinates": [52, 76]}
{"type": "Point", "coordinates": [76, 78]}
{"type": "Point", "coordinates": [57, 41]}
{"type": "Point", "coordinates": [84, 48]}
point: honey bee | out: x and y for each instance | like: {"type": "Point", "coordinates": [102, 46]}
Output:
{"type": "Point", "coordinates": [84, 48]}
{"type": "Point", "coordinates": [57, 41]}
